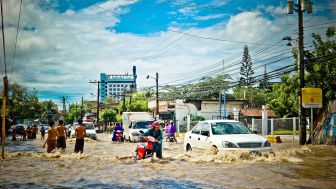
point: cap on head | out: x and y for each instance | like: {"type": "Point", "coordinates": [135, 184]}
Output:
{"type": "Point", "coordinates": [156, 124]}
{"type": "Point", "coordinates": [60, 122]}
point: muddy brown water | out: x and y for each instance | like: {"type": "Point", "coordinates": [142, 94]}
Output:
{"type": "Point", "coordinates": [105, 164]}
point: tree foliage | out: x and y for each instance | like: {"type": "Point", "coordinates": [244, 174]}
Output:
{"type": "Point", "coordinates": [246, 70]}
{"type": "Point", "coordinates": [108, 115]}
{"type": "Point", "coordinates": [322, 73]}
{"type": "Point", "coordinates": [285, 101]}
{"type": "Point", "coordinates": [138, 103]}
{"type": "Point", "coordinates": [319, 74]}
{"type": "Point", "coordinates": [206, 88]}
{"type": "Point", "coordinates": [256, 97]}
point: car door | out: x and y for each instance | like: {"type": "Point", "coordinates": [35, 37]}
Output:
{"type": "Point", "coordinates": [195, 135]}
{"type": "Point", "coordinates": [204, 138]}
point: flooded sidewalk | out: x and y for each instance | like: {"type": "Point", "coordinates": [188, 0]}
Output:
{"type": "Point", "coordinates": [107, 164]}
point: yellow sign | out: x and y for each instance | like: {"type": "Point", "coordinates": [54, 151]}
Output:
{"type": "Point", "coordinates": [311, 97]}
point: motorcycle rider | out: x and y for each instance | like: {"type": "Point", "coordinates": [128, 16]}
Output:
{"type": "Point", "coordinates": [156, 132]}
{"type": "Point", "coordinates": [119, 128]}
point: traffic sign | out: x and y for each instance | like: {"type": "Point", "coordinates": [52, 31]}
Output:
{"type": "Point", "coordinates": [311, 97]}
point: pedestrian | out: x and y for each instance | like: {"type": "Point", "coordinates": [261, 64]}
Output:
{"type": "Point", "coordinates": [156, 132]}
{"type": "Point", "coordinates": [14, 135]}
{"type": "Point", "coordinates": [42, 130]}
{"type": "Point", "coordinates": [24, 134]}
{"type": "Point", "coordinates": [61, 133]}
{"type": "Point", "coordinates": [80, 133]}
{"type": "Point", "coordinates": [34, 132]}
{"type": "Point", "coordinates": [172, 130]}
{"type": "Point", "coordinates": [29, 133]}
{"type": "Point", "coordinates": [167, 130]}
{"type": "Point", "coordinates": [52, 137]}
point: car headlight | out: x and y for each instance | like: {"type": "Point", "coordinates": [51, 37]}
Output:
{"type": "Point", "coordinates": [267, 144]}
{"type": "Point", "coordinates": [227, 144]}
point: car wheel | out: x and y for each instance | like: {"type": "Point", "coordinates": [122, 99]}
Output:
{"type": "Point", "coordinates": [188, 148]}
{"type": "Point", "coordinates": [129, 139]}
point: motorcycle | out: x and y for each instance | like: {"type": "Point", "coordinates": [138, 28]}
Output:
{"type": "Point", "coordinates": [170, 138]}
{"type": "Point", "coordinates": [119, 135]}
{"type": "Point", "coordinates": [145, 149]}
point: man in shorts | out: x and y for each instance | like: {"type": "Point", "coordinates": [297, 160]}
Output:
{"type": "Point", "coordinates": [61, 132]}
{"type": "Point", "coordinates": [80, 133]}
{"type": "Point", "coordinates": [52, 137]}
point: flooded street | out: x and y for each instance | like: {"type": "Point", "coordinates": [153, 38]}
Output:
{"type": "Point", "coordinates": [110, 165]}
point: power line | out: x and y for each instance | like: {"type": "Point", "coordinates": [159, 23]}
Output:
{"type": "Point", "coordinates": [17, 33]}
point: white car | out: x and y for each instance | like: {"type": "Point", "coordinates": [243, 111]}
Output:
{"type": "Point", "coordinates": [226, 135]}
{"type": "Point", "coordinates": [90, 130]}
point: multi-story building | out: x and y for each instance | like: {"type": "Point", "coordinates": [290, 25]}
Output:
{"type": "Point", "coordinates": [116, 86]}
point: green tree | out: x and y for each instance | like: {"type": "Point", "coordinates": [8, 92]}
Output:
{"type": "Point", "coordinates": [138, 103]}
{"type": "Point", "coordinates": [22, 102]}
{"type": "Point", "coordinates": [108, 115]}
{"type": "Point", "coordinates": [256, 97]}
{"type": "Point", "coordinates": [246, 70]}
{"type": "Point", "coordinates": [49, 110]}
{"type": "Point", "coordinates": [285, 100]}
{"type": "Point", "coordinates": [206, 88]}
{"type": "Point", "coordinates": [321, 72]}
{"type": "Point", "coordinates": [73, 113]}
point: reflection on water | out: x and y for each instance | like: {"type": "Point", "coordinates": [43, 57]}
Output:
{"type": "Point", "coordinates": [110, 165]}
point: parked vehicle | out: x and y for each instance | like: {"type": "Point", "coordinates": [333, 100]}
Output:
{"type": "Point", "coordinates": [136, 129]}
{"type": "Point", "coordinates": [90, 130]}
{"type": "Point", "coordinates": [224, 135]}
{"type": "Point", "coordinates": [20, 129]}
{"type": "Point", "coordinates": [134, 122]}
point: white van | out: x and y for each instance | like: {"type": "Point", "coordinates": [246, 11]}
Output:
{"type": "Point", "coordinates": [137, 128]}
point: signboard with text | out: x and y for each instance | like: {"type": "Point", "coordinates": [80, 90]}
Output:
{"type": "Point", "coordinates": [311, 97]}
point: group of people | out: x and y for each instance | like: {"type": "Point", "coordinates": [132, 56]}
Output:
{"type": "Point", "coordinates": [29, 133]}
{"type": "Point", "coordinates": [57, 137]}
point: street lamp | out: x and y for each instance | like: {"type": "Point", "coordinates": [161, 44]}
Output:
{"type": "Point", "coordinates": [157, 91]}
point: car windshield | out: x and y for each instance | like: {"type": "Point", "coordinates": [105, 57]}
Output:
{"type": "Point", "coordinates": [142, 124]}
{"type": "Point", "coordinates": [225, 128]}
{"type": "Point", "coordinates": [88, 125]}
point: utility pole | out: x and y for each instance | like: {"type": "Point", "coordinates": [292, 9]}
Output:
{"type": "Point", "coordinates": [98, 82]}
{"type": "Point", "coordinates": [157, 93]}
{"type": "Point", "coordinates": [82, 110]}
{"type": "Point", "coordinates": [76, 111]}
{"type": "Point", "coordinates": [3, 115]}
{"type": "Point", "coordinates": [64, 106]}
{"type": "Point", "coordinates": [302, 5]}
{"type": "Point", "coordinates": [5, 91]}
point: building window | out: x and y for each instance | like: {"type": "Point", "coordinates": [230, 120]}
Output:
{"type": "Point", "coordinates": [114, 85]}
{"type": "Point", "coordinates": [110, 85]}
{"type": "Point", "coordinates": [118, 85]}
{"type": "Point", "coordinates": [110, 93]}
{"type": "Point", "coordinates": [114, 89]}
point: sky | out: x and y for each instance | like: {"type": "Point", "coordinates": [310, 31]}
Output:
{"type": "Point", "coordinates": [62, 45]}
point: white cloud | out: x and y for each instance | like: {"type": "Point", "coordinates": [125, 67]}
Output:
{"type": "Point", "coordinates": [69, 49]}
{"type": "Point", "coordinates": [209, 17]}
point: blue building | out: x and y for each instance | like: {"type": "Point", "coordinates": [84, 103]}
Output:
{"type": "Point", "coordinates": [116, 86]}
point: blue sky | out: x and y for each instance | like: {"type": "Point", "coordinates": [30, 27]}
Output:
{"type": "Point", "coordinates": [63, 44]}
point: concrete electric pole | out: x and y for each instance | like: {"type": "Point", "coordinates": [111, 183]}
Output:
{"type": "Point", "coordinates": [302, 6]}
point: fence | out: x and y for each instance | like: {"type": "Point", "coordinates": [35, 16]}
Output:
{"type": "Point", "coordinates": [276, 126]}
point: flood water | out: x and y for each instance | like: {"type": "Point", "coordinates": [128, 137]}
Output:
{"type": "Point", "coordinates": [105, 164]}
